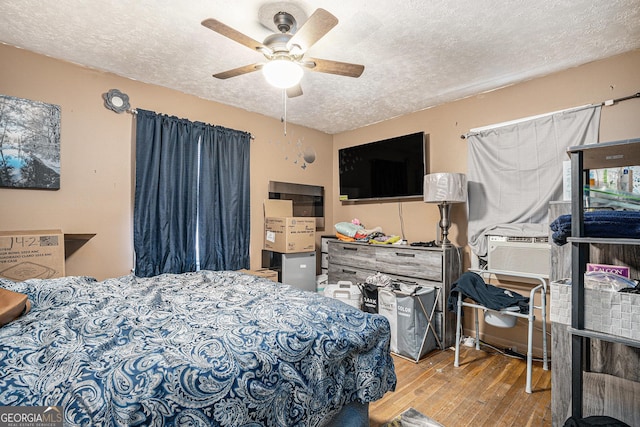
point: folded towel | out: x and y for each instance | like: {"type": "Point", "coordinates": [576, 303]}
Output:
{"type": "Point", "coordinates": [382, 240]}
{"type": "Point", "coordinates": [614, 224]}
{"type": "Point", "coordinates": [344, 238]}
{"type": "Point", "coordinates": [348, 229]}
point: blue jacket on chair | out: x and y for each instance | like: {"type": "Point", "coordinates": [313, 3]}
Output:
{"type": "Point", "coordinates": [471, 285]}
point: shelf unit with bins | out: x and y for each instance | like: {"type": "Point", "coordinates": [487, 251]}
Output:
{"type": "Point", "coordinates": [583, 159]}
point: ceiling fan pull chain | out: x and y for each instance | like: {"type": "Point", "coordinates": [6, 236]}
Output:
{"type": "Point", "coordinates": [284, 118]}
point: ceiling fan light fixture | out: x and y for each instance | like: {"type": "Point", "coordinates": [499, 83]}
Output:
{"type": "Point", "coordinates": [282, 73]}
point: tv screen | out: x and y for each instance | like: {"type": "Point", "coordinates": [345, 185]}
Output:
{"type": "Point", "coordinates": [387, 169]}
{"type": "Point", "coordinates": [307, 200]}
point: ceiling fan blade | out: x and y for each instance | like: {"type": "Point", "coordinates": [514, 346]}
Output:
{"type": "Point", "coordinates": [334, 67]}
{"type": "Point", "coordinates": [294, 91]}
{"type": "Point", "coordinates": [238, 71]}
{"type": "Point", "coordinates": [318, 24]}
{"type": "Point", "coordinates": [234, 35]}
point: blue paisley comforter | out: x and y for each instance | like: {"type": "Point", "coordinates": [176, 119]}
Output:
{"type": "Point", "coordinates": [205, 348]}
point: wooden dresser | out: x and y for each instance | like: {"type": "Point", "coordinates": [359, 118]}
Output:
{"type": "Point", "coordinates": [436, 267]}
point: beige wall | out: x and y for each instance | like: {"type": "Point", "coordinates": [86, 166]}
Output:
{"type": "Point", "coordinates": [97, 157]}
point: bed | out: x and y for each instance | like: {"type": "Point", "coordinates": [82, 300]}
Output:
{"type": "Point", "coordinates": [203, 348]}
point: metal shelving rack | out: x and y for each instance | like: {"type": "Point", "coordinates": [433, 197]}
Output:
{"type": "Point", "coordinates": [583, 159]}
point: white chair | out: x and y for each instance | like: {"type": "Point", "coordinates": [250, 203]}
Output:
{"type": "Point", "coordinates": [541, 288]}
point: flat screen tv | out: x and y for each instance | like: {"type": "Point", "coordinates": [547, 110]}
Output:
{"type": "Point", "coordinates": [393, 168]}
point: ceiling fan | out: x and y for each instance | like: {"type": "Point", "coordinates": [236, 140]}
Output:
{"type": "Point", "coordinates": [285, 50]}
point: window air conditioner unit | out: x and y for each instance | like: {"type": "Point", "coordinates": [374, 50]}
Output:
{"type": "Point", "coordinates": [519, 254]}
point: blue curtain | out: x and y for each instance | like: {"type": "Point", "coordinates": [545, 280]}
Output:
{"type": "Point", "coordinates": [177, 167]}
{"type": "Point", "coordinates": [224, 195]}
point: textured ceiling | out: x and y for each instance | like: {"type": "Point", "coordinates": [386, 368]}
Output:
{"type": "Point", "coordinates": [416, 53]}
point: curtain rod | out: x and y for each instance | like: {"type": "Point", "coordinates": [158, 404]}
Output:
{"type": "Point", "coordinates": [605, 103]}
{"type": "Point", "coordinates": [626, 98]}
{"type": "Point", "coordinates": [133, 111]}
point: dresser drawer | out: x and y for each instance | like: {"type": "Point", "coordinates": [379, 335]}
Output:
{"type": "Point", "coordinates": [324, 243]}
{"type": "Point", "coordinates": [344, 272]}
{"type": "Point", "coordinates": [358, 255]}
{"type": "Point", "coordinates": [410, 262]}
{"type": "Point", "coordinates": [324, 260]}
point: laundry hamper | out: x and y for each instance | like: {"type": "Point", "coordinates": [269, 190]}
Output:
{"type": "Point", "coordinates": [409, 310]}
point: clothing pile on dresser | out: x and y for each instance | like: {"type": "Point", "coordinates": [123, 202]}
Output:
{"type": "Point", "coordinates": [354, 231]}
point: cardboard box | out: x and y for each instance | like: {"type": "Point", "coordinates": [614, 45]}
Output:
{"type": "Point", "coordinates": [37, 254]}
{"type": "Point", "coordinates": [285, 233]}
{"type": "Point", "coordinates": [262, 272]}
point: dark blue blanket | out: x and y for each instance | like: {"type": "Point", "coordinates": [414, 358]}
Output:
{"type": "Point", "coordinates": [614, 224]}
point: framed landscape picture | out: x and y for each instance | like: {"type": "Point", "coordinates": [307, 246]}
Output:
{"type": "Point", "coordinates": [29, 144]}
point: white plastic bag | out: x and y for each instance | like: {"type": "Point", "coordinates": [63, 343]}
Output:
{"type": "Point", "coordinates": [605, 281]}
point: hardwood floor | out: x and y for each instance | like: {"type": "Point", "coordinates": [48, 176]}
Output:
{"type": "Point", "coordinates": [486, 390]}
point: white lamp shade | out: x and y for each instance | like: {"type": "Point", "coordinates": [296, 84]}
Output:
{"type": "Point", "coordinates": [445, 187]}
{"type": "Point", "coordinates": [282, 73]}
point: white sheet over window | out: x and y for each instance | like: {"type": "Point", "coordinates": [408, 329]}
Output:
{"type": "Point", "coordinates": [515, 170]}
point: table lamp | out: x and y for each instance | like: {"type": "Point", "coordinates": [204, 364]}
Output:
{"type": "Point", "coordinates": [445, 189]}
